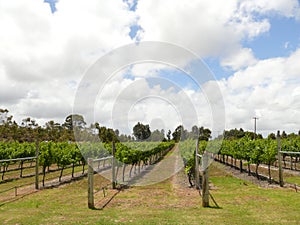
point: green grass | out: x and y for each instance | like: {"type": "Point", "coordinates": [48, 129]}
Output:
{"type": "Point", "coordinates": [292, 179]}
{"type": "Point", "coordinates": [241, 203]}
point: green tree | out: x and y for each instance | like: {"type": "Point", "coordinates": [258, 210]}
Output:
{"type": "Point", "coordinates": [141, 131]}
{"type": "Point", "coordinates": [177, 133]}
{"type": "Point", "coordinates": [204, 134]}
{"type": "Point", "coordinates": [284, 135]}
{"type": "Point", "coordinates": [272, 136]}
{"type": "Point", "coordinates": [74, 120]}
{"type": "Point", "coordinates": [107, 135]}
{"type": "Point", "coordinates": [169, 135]}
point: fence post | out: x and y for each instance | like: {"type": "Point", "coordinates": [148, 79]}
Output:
{"type": "Point", "coordinates": [279, 160]}
{"type": "Point", "coordinates": [90, 184]}
{"type": "Point", "coordinates": [37, 147]}
{"type": "Point", "coordinates": [113, 166]}
{"type": "Point", "coordinates": [197, 177]}
{"type": "Point", "coordinates": [205, 184]}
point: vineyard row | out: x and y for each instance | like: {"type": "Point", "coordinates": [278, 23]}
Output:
{"type": "Point", "coordinates": [64, 154]}
{"type": "Point", "coordinates": [245, 151]}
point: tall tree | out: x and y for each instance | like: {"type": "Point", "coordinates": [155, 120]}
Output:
{"type": "Point", "coordinates": [177, 133]}
{"type": "Point", "coordinates": [204, 134]}
{"type": "Point", "coordinates": [74, 120]}
{"type": "Point", "coordinates": [141, 131]}
{"type": "Point", "coordinates": [169, 135]}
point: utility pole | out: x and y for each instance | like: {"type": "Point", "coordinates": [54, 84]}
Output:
{"type": "Point", "coordinates": [255, 118]}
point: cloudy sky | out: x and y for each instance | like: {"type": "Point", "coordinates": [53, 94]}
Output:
{"type": "Point", "coordinates": [250, 47]}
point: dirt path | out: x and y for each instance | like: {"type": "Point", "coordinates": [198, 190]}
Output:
{"type": "Point", "coordinates": [162, 185]}
{"type": "Point", "coordinates": [164, 169]}
{"type": "Point", "coordinates": [167, 167]}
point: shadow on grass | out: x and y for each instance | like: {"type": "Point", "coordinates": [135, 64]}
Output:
{"type": "Point", "coordinates": [120, 188]}
{"type": "Point", "coordinates": [214, 207]}
{"type": "Point", "coordinates": [14, 199]}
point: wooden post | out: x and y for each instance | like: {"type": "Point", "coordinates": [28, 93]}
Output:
{"type": "Point", "coordinates": [197, 175]}
{"type": "Point", "coordinates": [113, 166]}
{"type": "Point", "coordinates": [90, 184]}
{"type": "Point", "coordinates": [37, 164]}
{"type": "Point", "coordinates": [279, 160]}
{"type": "Point", "coordinates": [205, 184]}
{"type": "Point", "coordinates": [241, 165]}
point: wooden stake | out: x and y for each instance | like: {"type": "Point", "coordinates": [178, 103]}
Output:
{"type": "Point", "coordinates": [37, 164]}
{"type": "Point", "coordinates": [279, 159]}
{"type": "Point", "coordinates": [205, 184]}
{"type": "Point", "coordinates": [90, 184]}
{"type": "Point", "coordinates": [197, 175]}
{"type": "Point", "coordinates": [113, 166]}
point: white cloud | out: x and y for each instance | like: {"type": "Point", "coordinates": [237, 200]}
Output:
{"type": "Point", "coordinates": [239, 60]}
{"type": "Point", "coordinates": [47, 52]}
{"type": "Point", "coordinates": [43, 57]}
{"type": "Point", "coordinates": [212, 28]}
{"type": "Point", "coordinates": [197, 25]}
{"type": "Point", "coordinates": [123, 102]}
{"type": "Point", "coordinates": [268, 89]}
{"type": "Point", "coordinates": [208, 28]}
{"type": "Point", "coordinates": [288, 8]}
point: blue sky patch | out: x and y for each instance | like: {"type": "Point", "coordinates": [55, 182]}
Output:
{"type": "Point", "coordinates": [282, 39]}
{"type": "Point", "coordinates": [133, 31]}
{"type": "Point", "coordinates": [52, 5]}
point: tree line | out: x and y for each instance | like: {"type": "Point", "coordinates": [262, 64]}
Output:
{"type": "Point", "coordinates": [29, 130]}
{"type": "Point", "coordinates": [235, 134]}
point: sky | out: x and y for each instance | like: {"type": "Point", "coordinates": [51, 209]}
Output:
{"type": "Point", "coordinates": [251, 49]}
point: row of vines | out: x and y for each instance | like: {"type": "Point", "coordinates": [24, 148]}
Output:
{"type": "Point", "coordinates": [244, 151]}
{"type": "Point", "coordinates": [65, 154]}
{"type": "Point", "coordinates": [261, 151]}
{"type": "Point", "coordinates": [132, 155]}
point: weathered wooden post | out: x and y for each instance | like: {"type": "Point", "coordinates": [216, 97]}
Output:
{"type": "Point", "coordinates": [37, 147]}
{"type": "Point", "coordinates": [241, 165]}
{"type": "Point", "coordinates": [197, 175]}
{"type": "Point", "coordinates": [281, 183]}
{"type": "Point", "coordinates": [205, 184]}
{"type": "Point", "coordinates": [90, 184]}
{"type": "Point", "coordinates": [113, 166]}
